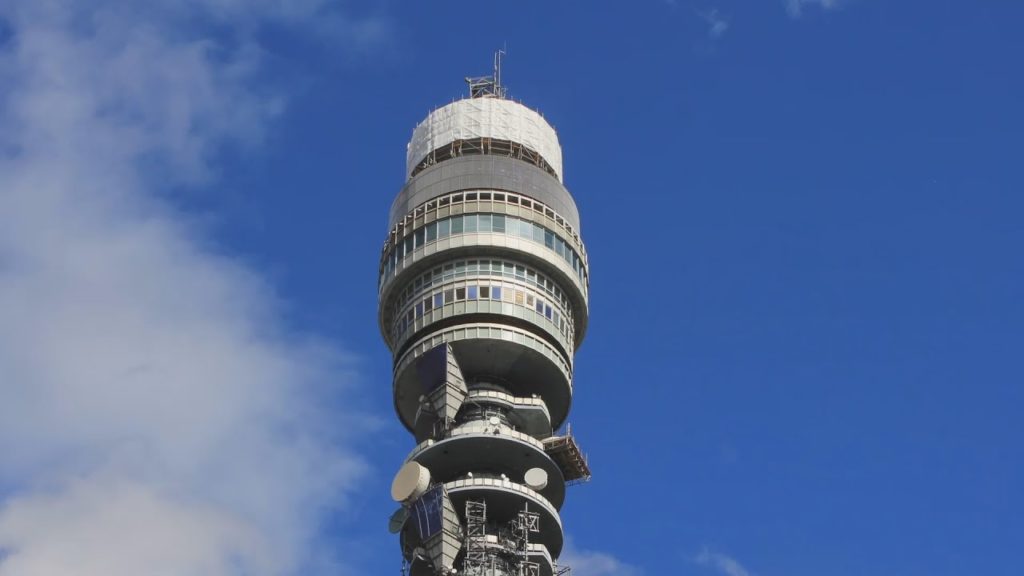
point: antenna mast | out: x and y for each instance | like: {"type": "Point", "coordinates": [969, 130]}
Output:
{"type": "Point", "coordinates": [488, 86]}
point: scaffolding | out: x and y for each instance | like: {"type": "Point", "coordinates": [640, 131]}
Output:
{"type": "Point", "coordinates": [524, 524]}
{"type": "Point", "coordinates": [488, 86]}
{"type": "Point", "coordinates": [476, 536]}
{"type": "Point", "coordinates": [483, 146]}
{"type": "Point", "coordinates": [568, 456]}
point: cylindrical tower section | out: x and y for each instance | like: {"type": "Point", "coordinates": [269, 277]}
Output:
{"type": "Point", "coordinates": [483, 291]}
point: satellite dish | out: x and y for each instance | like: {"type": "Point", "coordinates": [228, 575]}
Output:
{"type": "Point", "coordinates": [410, 483]}
{"type": "Point", "coordinates": [397, 520]}
{"type": "Point", "coordinates": [536, 478]}
{"type": "Point", "coordinates": [494, 420]}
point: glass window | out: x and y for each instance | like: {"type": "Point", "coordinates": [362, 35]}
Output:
{"type": "Point", "coordinates": [484, 222]}
{"type": "Point", "coordinates": [549, 239]}
{"type": "Point", "coordinates": [485, 293]}
{"type": "Point", "coordinates": [470, 222]}
{"type": "Point", "coordinates": [525, 229]}
{"type": "Point", "coordinates": [496, 292]}
{"type": "Point", "coordinates": [449, 296]}
{"type": "Point", "coordinates": [519, 297]}
{"type": "Point", "coordinates": [540, 306]}
{"type": "Point", "coordinates": [457, 225]}
{"type": "Point", "coordinates": [472, 291]}
{"type": "Point", "coordinates": [547, 311]}
{"type": "Point", "coordinates": [419, 237]}
{"type": "Point", "coordinates": [419, 310]}
{"type": "Point", "coordinates": [520, 271]}
{"type": "Point", "coordinates": [538, 234]}
{"type": "Point", "coordinates": [444, 228]}
{"type": "Point", "coordinates": [408, 245]}
{"type": "Point", "coordinates": [431, 231]}
{"type": "Point", "coordinates": [460, 293]}
{"type": "Point", "coordinates": [529, 299]}
{"type": "Point", "coordinates": [438, 300]}
{"type": "Point", "coordinates": [498, 222]}
{"type": "Point", "coordinates": [428, 304]}
{"type": "Point", "coordinates": [560, 247]}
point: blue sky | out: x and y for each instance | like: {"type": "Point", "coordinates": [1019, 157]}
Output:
{"type": "Point", "coordinates": [804, 222]}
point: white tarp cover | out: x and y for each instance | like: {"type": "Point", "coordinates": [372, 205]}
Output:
{"type": "Point", "coordinates": [484, 118]}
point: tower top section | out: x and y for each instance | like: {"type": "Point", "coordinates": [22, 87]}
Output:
{"type": "Point", "coordinates": [496, 119]}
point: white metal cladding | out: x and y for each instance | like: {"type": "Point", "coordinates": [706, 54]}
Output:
{"type": "Point", "coordinates": [484, 118]}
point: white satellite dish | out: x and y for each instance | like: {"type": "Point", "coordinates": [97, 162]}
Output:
{"type": "Point", "coordinates": [536, 478]}
{"type": "Point", "coordinates": [410, 483]}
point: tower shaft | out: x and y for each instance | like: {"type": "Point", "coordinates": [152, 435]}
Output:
{"type": "Point", "coordinates": [483, 300]}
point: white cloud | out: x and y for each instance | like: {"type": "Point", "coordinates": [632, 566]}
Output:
{"type": "Point", "coordinates": [721, 563]}
{"type": "Point", "coordinates": [157, 415]}
{"type": "Point", "coordinates": [717, 23]}
{"type": "Point", "coordinates": [796, 7]}
{"type": "Point", "coordinates": [592, 563]}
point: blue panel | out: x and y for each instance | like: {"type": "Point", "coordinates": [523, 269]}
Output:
{"type": "Point", "coordinates": [432, 368]}
{"type": "Point", "coordinates": [429, 512]}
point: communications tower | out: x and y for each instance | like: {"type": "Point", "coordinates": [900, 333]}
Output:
{"type": "Point", "coordinates": [483, 301]}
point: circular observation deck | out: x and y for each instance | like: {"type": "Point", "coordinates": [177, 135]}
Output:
{"type": "Point", "coordinates": [522, 362]}
{"type": "Point", "coordinates": [505, 500]}
{"type": "Point", "coordinates": [477, 447]}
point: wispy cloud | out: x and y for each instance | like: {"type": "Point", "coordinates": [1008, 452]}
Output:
{"type": "Point", "coordinates": [155, 408]}
{"type": "Point", "coordinates": [795, 8]}
{"type": "Point", "coordinates": [593, 563]}
{"type": "Point", "coordinates": [721, 563]}
{"type": "Point", "coordinates": [716, 21]}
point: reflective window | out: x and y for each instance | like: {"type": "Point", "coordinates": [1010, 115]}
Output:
{"type": "Point", "coordinates": [421, 290]}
